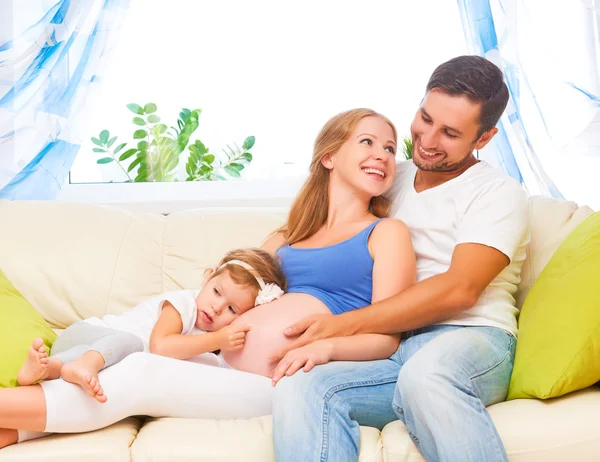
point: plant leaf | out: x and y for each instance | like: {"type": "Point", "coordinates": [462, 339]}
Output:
{"type": "Point", "coordinates": [236, 166]}
{"type": "Point", "coordinates": [142, 145]}
{"type": "Point", "coordinates": [127, 154]}
{"type": "Point", "coordinates": [232, 171]}
{"type": "Point", "coordinates": [248, 143]}
{"type": "Point", "coordinates": [111, 141]}
{"type": "Point", "coordinates": [105, 160]}
{"type": "Point", "coordinates": [119, 147]}
{"type": "Point", "coordinates": [99, 150]}
{"type": "Point", "coordinates": [150, 108]}
{"type": "Point", "coordinates": [189, 127]}
{"type": "Point", "coordinates": [139, 121]}
{"type": "Point", "coordinates": [153, 119]}
{"type": "Point", "coordinates": [104, 134]}
{"type": "Point", "coordinates": [248, 156]}
{"type": "Point", "coordinates": [97, 142]}
{"type": "Point", "coordinates": [160, 129]}
{"type": "Point", "coordinates": [135, 108]}
{"type": "Point", "coordinates": [134, 164]}
{"type": "Point", "coordinates": [208, 158]}
{"type": "Point", "coordinates": [138, 134]}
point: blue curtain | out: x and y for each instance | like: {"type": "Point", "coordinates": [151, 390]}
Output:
{"type": "Point", "coordinates": [51, 56]}
{"type": "Point", "coordinates": [549, 53]}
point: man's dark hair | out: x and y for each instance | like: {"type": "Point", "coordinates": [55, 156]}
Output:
{"type": "Point", "coordinates": [478, 79]}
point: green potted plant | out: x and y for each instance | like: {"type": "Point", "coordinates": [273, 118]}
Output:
{"type": "Point", "coordinates": [158, 148]}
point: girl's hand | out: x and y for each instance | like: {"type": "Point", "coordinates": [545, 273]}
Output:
{"type": "Point", "coordinates": [232, 338]}
{"type": "Point", "coordinates": [308, 356]}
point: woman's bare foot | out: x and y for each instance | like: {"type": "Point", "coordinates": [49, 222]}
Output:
{"type": "Point", "coordinates": [36, 365]}
{"type": "Point", "coordinates": [84, 372]}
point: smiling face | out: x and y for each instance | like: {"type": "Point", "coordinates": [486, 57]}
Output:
{"type": "Point", "coordinates": [221, 301]}
{"type": "Point", "coordinates": [366, 160]}
{"type": "Point", "coordinates": [445, 133]}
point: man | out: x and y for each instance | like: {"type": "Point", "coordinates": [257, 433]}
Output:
{"type": "Point", "coordinates": [469, 224]}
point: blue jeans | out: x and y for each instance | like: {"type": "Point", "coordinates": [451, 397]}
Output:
{"type": "Point", "coordinates": [438, 383]}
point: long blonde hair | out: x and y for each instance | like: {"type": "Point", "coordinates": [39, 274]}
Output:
{"type": "Point", "coordinates": [309, 210]}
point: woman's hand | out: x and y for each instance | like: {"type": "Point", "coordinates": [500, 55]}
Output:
{"type": "Point", "coordinates": [313, 328]}
{"type": "Point", "coordinates": [232, 338]}
{"type": "Point", "coordinates": [305, 357]}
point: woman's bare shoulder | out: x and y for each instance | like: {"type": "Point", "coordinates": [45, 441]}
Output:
{"type": "Point", "coordinates": [273, 242]}
{"type": "Point", "coordinates": [391, 227]}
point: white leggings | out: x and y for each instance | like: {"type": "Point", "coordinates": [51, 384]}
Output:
{"type": "Point", "coordinates": [155, 386]}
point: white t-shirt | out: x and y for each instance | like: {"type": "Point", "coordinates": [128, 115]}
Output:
{"type": "Point", "coordinates": [483, 206]}
{"type": "Point", "coordinates": [140, 320]}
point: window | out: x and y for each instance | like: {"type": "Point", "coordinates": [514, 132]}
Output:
{"type": "Point", "coordinates": [276, 71]}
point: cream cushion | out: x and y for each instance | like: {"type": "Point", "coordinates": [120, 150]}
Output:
{"type": "Point", "coordinates": [551, 222]}
{"type": "Point", "coordinates": [72, 261]}
{"type": "Point", "coordinates": [109, 444]}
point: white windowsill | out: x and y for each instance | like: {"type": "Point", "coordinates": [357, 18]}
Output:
{"type": "Point", "coordinates": [274, 195]}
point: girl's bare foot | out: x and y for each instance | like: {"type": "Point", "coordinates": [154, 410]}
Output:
{"type": "Point", "coordinates": [84, 372]}
{"type": "Point", "coordinates": [36, 365]}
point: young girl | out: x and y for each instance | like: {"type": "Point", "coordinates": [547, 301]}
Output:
{"type": "Point", "coordinates": [179, 324]}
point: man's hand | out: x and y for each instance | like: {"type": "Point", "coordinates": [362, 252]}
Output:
{"type": "Point", "coordinates": [305, 357]}
{"type": "Point", "coordinates": [232, 338]}
{"type": "Point", "coordinates": [311, 329]}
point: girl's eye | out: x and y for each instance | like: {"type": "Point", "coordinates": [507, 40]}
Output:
{"type": "Point", "coordinates": [216, 291]}
{"type": "Point", "coordinates": [368, 141]}
{"type": "Point", "coordinates": [232, 309]}
{"type": "Point", "coordinates": [390, 150]}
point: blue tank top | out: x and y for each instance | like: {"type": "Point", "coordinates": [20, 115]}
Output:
{"type": "Point", "coordinates": [340, 275]}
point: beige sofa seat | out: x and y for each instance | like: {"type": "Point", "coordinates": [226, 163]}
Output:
{"type": "Point", "coordinates": [78, 260]}
{"type": "Point", "coordinates": [110, 444]}
{"type": "Point", "coordinates": [531, 430]}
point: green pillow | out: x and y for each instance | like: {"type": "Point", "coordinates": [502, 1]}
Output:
{"type": "Point", "coordinates": [20, 325]}
{"type": "Point", "coordinates": [558, 350]}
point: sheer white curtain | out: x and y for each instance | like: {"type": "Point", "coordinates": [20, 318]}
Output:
{"type": "Point", "coordinates": [550, 54]}
{"type": "Point", "coordinates": [51, 52]}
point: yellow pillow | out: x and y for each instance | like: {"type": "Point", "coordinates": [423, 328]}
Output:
{"type": "Point", "coordinates": [20, 324]}
{"type": "Point", "coordinates": [558, 350]}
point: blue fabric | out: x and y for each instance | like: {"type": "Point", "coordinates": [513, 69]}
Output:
{"type": "Point", "coordinates": [340, 275]}
{"type": "Point", "coordinates": [50, 54]}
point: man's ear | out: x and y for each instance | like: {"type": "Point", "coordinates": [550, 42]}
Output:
{"type": "Point", "coordinates": [327, 161]}
{"type": "Point", "coordinates": [485, 138]}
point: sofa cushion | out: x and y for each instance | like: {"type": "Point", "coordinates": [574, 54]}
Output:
{"type": "Point", "coordinates": [555, 430]}
{"type": "Point", "coordinates": [551, 222]}
{"type": "Point", "coordinates": [111, 444]}
{"type": "Point", "coordinates": [20, 324]}
{"type": "Point", "coordinates": [74, 261]}
{"type": "Point", "coordinates": [195, 240]}
{"type": "Point", "coordinates": [173, 440]}
{"type": "Point", "coordinates": [559, 326]}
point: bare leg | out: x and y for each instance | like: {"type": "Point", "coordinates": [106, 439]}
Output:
{"type": "Point", "coordinates": [8, 437]}
{"type": "Point", "coordinates": [83, 371]}
{"type": "Point", "coordinates": [38, 366]}
{"type": "Point", "coordinates": [23, 407]}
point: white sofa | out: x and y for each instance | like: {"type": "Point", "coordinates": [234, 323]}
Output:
{"type": "Point", "coordinates": [73, 261]}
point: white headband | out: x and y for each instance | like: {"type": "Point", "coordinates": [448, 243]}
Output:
{"type": "Point", "coordinates": [267, 292]}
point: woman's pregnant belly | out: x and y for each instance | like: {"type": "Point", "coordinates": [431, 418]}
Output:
{"type": "Point", "coordinates": [266, 336]}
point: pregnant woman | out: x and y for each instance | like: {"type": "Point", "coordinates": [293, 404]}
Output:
{"type": "Point", "coordinates": [338, 255]}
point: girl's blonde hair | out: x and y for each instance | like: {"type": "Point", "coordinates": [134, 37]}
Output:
{"type": "Point", "coordinates": [265, 265]}
{"type": "Point", "coordinates": [309, 210]}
